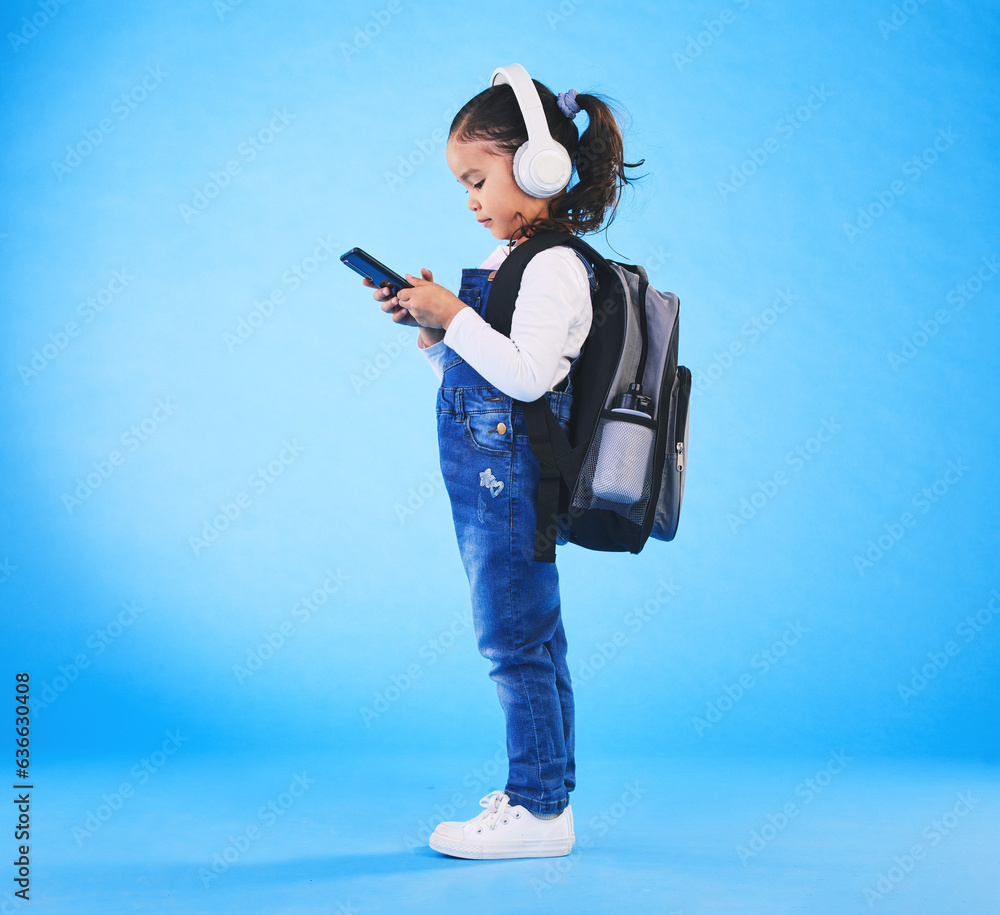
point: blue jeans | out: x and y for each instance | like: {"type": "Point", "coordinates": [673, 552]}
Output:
{"type": "Point", "coordinates": [492, 479]}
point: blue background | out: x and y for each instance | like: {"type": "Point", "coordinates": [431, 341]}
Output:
{"type": "Point", "coordinates": [341, 171]}
{"type": "Point", "coordinates": [793, 198]}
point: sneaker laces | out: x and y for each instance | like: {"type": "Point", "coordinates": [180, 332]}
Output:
{"type": "Point", "coordinates": [497, 805]}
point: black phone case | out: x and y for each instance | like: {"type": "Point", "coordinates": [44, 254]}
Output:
{"type": "Point", "coordinates": [362, 262]}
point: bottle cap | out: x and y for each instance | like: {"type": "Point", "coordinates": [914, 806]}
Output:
{"type": "Point", "coordinates": [634, 399]}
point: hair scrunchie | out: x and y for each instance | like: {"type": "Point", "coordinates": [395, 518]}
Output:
{"type": "Point", "coordinates": [567, 103]}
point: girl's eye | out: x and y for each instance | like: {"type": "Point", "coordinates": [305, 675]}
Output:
{"type": "Point", "coordinates": [478, 186]}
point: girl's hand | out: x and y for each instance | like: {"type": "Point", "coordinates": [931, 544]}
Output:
{"type": "Point", "coordinates": [433, 306]}
{"type": "Point", "coordinates": [390, 303]}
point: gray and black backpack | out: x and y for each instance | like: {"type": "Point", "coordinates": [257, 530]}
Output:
{"type": "Point", "coordinates": [617, 478]}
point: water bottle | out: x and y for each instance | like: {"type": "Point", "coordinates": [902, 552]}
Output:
{"type": "Point", "coordinates": [626, 450]}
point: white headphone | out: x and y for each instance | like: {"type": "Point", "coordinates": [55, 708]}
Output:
{"type": "Point", "coordinates": [542, 166]}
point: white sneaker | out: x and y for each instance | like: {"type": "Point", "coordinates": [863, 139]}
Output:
{"type": "Point", "coordinates": [505, 830]}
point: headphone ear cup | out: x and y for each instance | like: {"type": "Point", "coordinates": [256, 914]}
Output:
{"type": "Point", "coordinates": [521, 174]}
{"type": "Point", "coordinates": [542, 170]}
{"type": "Point", "coordinates": [552, 168]}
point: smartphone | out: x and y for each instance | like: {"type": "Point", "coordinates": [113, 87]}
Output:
{"type": "Point", "coordinates": [378, 273]}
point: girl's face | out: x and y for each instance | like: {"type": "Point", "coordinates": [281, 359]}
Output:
{"type": "Point", "coordinates": [494, 196]}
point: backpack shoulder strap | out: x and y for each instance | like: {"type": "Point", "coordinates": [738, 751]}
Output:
{"type": "Point", "coordinates": [549, 443]}
{"type": "Point", "coordinates": [507, 282]}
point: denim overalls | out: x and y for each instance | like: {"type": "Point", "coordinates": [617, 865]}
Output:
{"type": "Point", "coordinates": [492, 479]}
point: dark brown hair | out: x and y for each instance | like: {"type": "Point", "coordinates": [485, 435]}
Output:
{"type": "Point", "coordinates": [598, 158]}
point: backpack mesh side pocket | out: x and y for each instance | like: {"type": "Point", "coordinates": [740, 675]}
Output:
{"type": "Point", "coordinates": [616, 471]}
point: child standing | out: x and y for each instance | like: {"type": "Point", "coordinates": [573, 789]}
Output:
{"type": "Point", "coordinates": [489, 469]}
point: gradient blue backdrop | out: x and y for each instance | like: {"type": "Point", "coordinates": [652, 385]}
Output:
{"type": "Point", "coordinates": [174, 166]}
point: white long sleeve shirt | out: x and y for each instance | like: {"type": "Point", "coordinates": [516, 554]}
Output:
{"type": "Point", "coordinates": [551, 320]}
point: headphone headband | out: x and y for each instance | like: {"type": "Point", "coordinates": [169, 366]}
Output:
{"type": "Point", "coordinates": [542, 166]}
{"type": "Point", "coordinates": [527, 98]}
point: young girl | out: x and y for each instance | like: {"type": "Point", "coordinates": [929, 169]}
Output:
{"type": "Point", "coordinates": [489, 470]}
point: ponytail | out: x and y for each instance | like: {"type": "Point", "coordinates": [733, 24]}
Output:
{"type": "Point", "coordinates": [599, 164]}
{"type": "Point", "coordinates": [598, 156]}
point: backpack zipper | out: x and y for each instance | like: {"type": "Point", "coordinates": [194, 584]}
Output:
{"type": "Point", "coordinates": [684, 381]}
